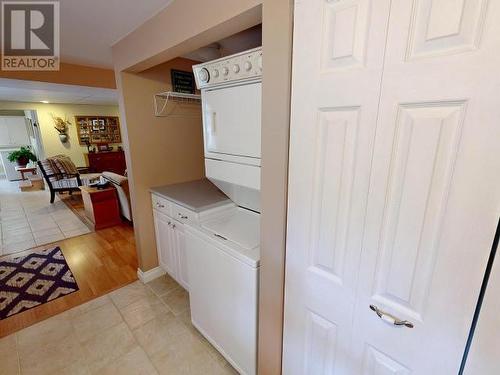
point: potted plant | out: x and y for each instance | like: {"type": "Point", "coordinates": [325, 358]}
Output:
{"type": "Point", "coordinates": [21, 156]}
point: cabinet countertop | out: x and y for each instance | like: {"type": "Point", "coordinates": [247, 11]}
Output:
{"type": "Point", "coordinates": [196, 195]}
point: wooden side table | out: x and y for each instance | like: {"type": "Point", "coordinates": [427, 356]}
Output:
{"type": "Point", "coordinates": [24, 170]}
{"type": "Point", "coordinates": [101, 206]}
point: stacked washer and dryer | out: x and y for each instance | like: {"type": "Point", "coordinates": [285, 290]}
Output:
{"type": "Point", "coordinates": [223, 251]}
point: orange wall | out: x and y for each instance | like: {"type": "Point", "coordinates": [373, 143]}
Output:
{"type": "Point", "coordinates": [166, 150]}
{"type": "Point", "coordinates": [69, 74]}
{"type": "Point", "coordinates": [183, 27]}
{"type": "Point", "coordinates": [160, 150]}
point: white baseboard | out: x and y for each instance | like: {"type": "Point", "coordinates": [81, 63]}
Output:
{"type": "Point", "coordinates": [150, 275]}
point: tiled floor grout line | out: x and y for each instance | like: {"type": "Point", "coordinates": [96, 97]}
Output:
{"type": "Point", "coordinates": [17, 353]}
{"type": "Point", "coordinates": [76, 338]}
{"type": "Point", "coordinates": [129, 329]}
{"type": "Point", "coordinates": [24, 210]}
{"type": "Point", "coordinates": [179, 319]}
{"type": "Point", "coordinates": [132, 330]}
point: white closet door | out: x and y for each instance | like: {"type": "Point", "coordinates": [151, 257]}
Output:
{"type": "Point", "coordinates": [337, 68]}
{"type": "Point", "coordinates": [434, 194]}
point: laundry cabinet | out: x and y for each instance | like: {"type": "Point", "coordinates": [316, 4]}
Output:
{"type": "Point", "coordinates": [171, 217]}
{"type": "Point", "coordinates": [169, 234]}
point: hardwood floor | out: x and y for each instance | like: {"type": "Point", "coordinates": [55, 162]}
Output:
{"type": "Point", "coordinates": [101, 261]}
{"type": "Point", "coordinates": [75, 203]}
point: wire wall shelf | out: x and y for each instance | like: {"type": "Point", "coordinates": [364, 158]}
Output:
{"type": "Point", "coordinates": [163, 100]}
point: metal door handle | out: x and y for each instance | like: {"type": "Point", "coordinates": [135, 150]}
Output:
{"type": "Point", "coordinates": [391, 319]}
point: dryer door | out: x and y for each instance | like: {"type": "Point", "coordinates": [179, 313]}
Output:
{"type": "Point", "coordinates": [231, 121]}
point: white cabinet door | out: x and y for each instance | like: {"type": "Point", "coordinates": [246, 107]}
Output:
{"type": "Point", "coordinates": [180, 246]}
{"type": "Point", "coordinates": [231, 120]}
{"type": "Point", "coordinates": [434, 197]}
{"type": "Point", "coordinates": [18, 131]}
{"type": "Point", "coordinates": [165, 243]}
{"type": "Point", "coordinates": [4, 133]}
{"type": "Point", "coordinates": [337, 70]}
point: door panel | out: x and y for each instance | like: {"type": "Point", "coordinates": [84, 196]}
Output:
{"type": "Point", "coordinates": [423, 157]}
{"type": "Point", "coordinates": [321, 338]}
{"type": "Point", "coordinates": [231, 120]}
{"type": "Point", "coordinates": [378, 363]}
{"type": "Point", "coordinates": [4, 132]}
{"type": "Point", "coordinates": [345, 32]}
{"type": "Point", "coordinates": [443, 27]}
{"type": "Point", "coordinates": [180, 244]}
{"type": "Point", "coordinates": [18, 130]}
{"type": "Point", "coordinates": [338, 56]}
{"type": "Point", "coordinates": [434, 199]}
{"type": "Point", "coordinates": [165, 243]}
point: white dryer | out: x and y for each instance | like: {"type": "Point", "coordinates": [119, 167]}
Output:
{"type": "Point", "coordinates": [231, 103]}
{"type": "Point", "coordinates": [223, 251]}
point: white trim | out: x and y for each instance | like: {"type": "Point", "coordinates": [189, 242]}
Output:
{"type": "Point", "coordinates": [150, 275]}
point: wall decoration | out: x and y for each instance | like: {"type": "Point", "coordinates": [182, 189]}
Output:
{"type": "Point", "coordinates": [62, 127]}
{"type": "Point", "coordinates": [182, 81]}
{"type": "Point", "coordinates": [98, 129]}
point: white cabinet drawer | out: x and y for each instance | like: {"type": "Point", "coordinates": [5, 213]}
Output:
{"type": "Point", "coordinates": [183, 215]}
{"type": "Point", "coordinates": [161, 204]}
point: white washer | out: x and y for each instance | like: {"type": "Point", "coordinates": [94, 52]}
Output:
{"type": "Point", "coordinates": [223, 259]}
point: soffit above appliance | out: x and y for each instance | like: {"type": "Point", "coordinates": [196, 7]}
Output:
{"type": "Point", "coordinates": [242, 41]}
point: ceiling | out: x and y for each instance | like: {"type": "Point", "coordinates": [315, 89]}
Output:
{"type": "Point", "coordinates": [90, 27]}
{"type": "Point", "coordinates": [33, 91]}
{"type": "Point", "coordinates": [242, 41]}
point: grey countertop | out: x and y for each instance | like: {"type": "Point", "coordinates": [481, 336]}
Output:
{"type": "Point", "coordinates": [196, 195]}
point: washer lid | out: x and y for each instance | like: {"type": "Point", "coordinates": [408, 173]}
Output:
{"type": "Point", "coordinates": [240, 226]}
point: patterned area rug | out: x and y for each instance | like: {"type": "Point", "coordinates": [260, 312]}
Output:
{"type": "Point", "coordinates": [34, 279]}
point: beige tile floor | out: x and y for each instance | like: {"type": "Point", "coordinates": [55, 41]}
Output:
{"type": "Point", "coordinates": [28, 219]}
{"type": "Point", "coordinates": [138, 329]}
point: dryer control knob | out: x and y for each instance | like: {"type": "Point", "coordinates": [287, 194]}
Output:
{"type": "Point", "coordinates": [225, 71]}
{"type": "Point", "coordinates": [204, 75]}
{"type": "Point", "coordinates": [248, 65]}
{"type": "Point", "coordinates": [236, 68]}
{"type": "Point", "coordinates": [215, 73]}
